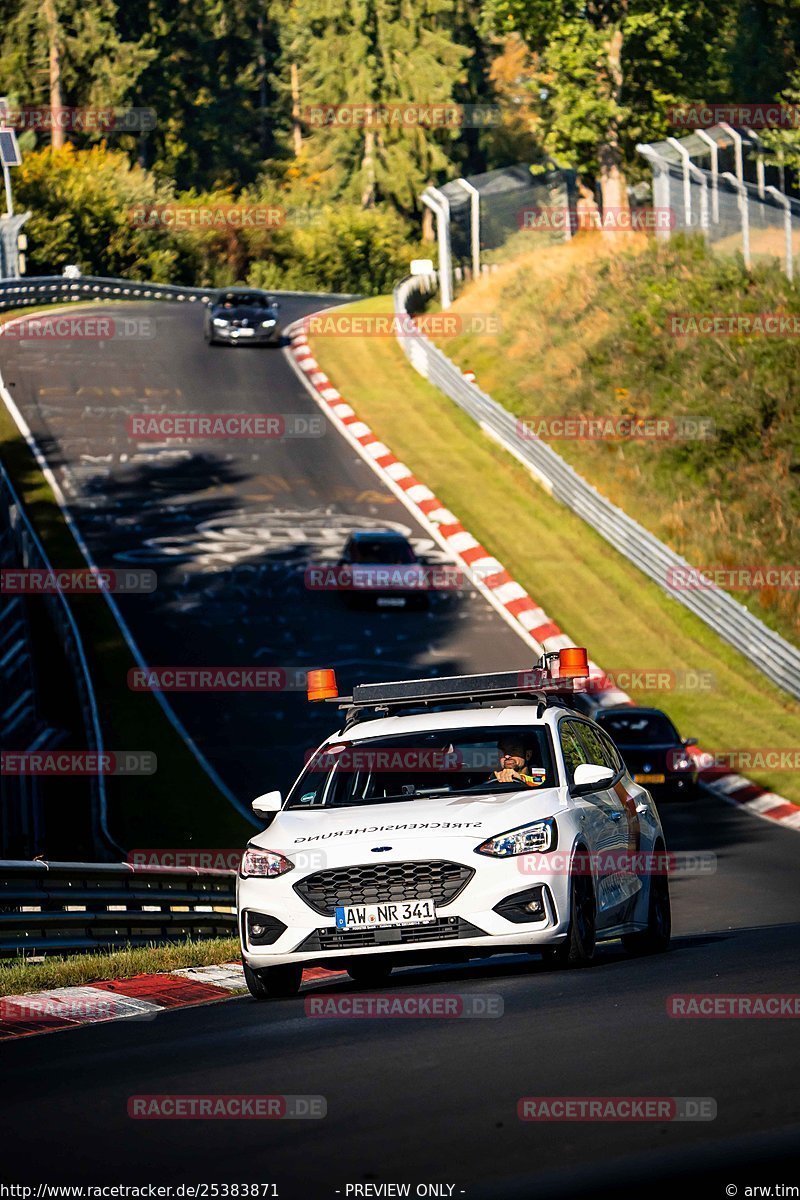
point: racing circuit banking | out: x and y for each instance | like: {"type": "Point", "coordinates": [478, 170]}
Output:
{"type": "Point", "coordinates": [229, 528]}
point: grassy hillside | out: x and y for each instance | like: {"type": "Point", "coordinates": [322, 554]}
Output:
{"type": "Point", "coordinates": [597, 596]}
{"type": "Point", "coordinates": [586, 333]}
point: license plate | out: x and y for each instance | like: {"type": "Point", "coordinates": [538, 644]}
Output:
{"type": "Point", "coordinates": [391, 601]}
{"type": "Point", "coordinates": [382, 916]}
{"type": "Point", "coordinates": [649, 779]}
{"type": "Point", "coordinates": [243, 332]}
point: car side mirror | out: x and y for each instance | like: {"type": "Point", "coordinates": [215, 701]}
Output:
{"type": "Point", "coordinates": [266, 805]}
{"type": "Point", "coordinates": [690, 741]}
{"type": "Point", "coordinates": [588, 777]}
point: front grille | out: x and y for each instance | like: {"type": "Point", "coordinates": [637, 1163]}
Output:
{"type": "Point", "coordinates": [448, 929]}
{"type": "Point", "coordinates": [378, 883]}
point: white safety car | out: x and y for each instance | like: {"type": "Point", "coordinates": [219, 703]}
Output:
{"type": "Point", "coordinates": [453, 818]}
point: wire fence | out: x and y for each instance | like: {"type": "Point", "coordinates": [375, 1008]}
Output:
{"type": "Point", "coordinates": [716, 183]}
{"type": "Point", "coordinates": [764, 648]}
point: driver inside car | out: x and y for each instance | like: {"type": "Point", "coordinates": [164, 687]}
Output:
{"type": "Point", "coordinates": [515, 764]}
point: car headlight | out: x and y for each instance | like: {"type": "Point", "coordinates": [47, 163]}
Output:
{"type": "Point", "coordinates": [267, 324]}
{"type": "Point", "coordinates": [540, 836]}
{"type": "Point", "coordinates": [681, 762]}
{"type": "Point", "coordinates": [220, 322]}
{"type": "Point", "coordinates": [263, 864]}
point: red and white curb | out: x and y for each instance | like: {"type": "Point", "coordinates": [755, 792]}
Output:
{"type": "Point", "coordinates": [489, 576]}
{"type": "Point", "coordinates": [141, 997]}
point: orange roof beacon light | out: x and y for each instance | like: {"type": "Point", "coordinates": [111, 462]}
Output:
{"type": "Point", "coordinates": [573, 662]}
{"type": "Point", "coordinates": [321, 684]}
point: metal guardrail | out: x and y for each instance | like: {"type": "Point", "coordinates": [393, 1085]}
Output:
{"type": "Point", "coordinates": [50, 289]}
{"type": "Point", "coordinates": [16, 293]}
{"type": "Point", "coordinates": [58, 907]}
{"type": "Point", "coordinates": [767, 650]}
{"type": "Point", "coordinates": [31, 553]}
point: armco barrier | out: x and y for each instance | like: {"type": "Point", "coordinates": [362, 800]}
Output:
{"type": "Point", "coordinates": [54, 289]}
{"type": "Point", "coordinates": [767, 650]}
{"type": "Point", "coordinates": [55, 907]}
{"type": "Point", "coordinates": [27, 548]}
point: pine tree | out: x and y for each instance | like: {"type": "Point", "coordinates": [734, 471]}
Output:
{"type": "Point", "coordinates": [373, 52]}
{"type": "Point", "coordinates": [69, 53]}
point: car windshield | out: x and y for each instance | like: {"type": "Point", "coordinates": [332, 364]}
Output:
{"type": "Point", "coordinates": [383, 551]}
{"type": "Point", "coordinates": [244, 300]}
{"type": "Point", "coordinates": [638, 728]}
{"type": "Point", "coordinates": [420, 765]}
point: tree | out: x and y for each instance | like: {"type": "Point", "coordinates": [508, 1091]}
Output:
{"type": "Point", "coordinates": [373, 52]}
{"type": "Point", "coordinates": [606, 73]}
{"type": "Point", "coordinates": [69, 53]}
{"type": "Point", "coordinates": [208, 81]}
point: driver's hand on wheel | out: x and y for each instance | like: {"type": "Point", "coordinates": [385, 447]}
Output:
{"type": "Point", "coordinates": [507, 775]}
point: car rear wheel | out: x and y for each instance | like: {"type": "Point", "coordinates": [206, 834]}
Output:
{"type": "Point", "coordinates": [273, 983]}
{"type": "Point", "coordinates": [370, 972]}
{"type": "Point", "coordinates": [656, 938]}
{"type": "Point", "coordinates": [578, 949]}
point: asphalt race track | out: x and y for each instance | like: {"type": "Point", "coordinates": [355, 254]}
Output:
{"type": "Point", "coordinates": [230, 526]}
{"type": "Point", "coordinates": [420, 1101]}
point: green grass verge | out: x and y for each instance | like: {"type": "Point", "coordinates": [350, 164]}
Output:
{"type": "Point", "coordinates": [595, 594]}
{"type": "Point", "coordinates": [20, 975]}
{"type": "Point", "coordinates": [587, 332]}
{"type": "Point", "coordinates": [178, 806]}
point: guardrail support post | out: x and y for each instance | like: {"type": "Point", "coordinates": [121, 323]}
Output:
{"type": "Point", "coordinates": [474, 225]}
{"type": "Point", "coordinates": [714, 148]}
{"type": "Point", "coordinates": [661, 190]}
{"type": "Point", "coordinates": [744, 213]}
{"type": "Point", "coordinates": [786, 205]}
{"type": "Point", "coordinates": [437, 202]}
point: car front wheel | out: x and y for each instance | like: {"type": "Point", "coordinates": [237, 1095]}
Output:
{"type": "Point", "coordinates": [656, 938]}
{"type": "Point", "coordinates": [578, 949]}
{"type": "Point", "coordinates": [273, 983]}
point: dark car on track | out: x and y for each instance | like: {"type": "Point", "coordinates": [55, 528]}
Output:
{"type": "Point", "coordinates": [242, 316]}
{"type": "Point", "coordinates": [380, 567]}
{"type": "Point", "coordinates": [654, 752]}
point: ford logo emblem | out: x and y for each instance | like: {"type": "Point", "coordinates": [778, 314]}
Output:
{"type": "Point", "coordinates": [380, 849]}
